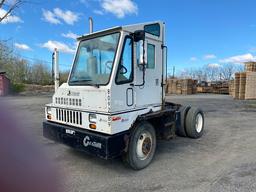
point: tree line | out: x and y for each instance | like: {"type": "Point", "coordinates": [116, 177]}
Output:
{"type": "Point", "coordinates": [22, 71]}
{"type": "Point", "coordinates": [213, 72]}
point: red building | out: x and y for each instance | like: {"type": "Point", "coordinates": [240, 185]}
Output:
{"type": "Point", "coordinates": [4, 84]}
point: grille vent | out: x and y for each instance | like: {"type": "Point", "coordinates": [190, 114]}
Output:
{"type": "Point", "coordinates": [69, 116]}
{"type": "Point", "coordinates": [68, 101]}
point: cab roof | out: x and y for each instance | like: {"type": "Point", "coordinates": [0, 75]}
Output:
{"type": "Point", "coordinates": [130, 28]}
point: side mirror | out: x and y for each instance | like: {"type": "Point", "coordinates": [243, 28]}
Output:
{"type": "Point", "coordinates": [141, 53]}
{"type": "Point", "coordinates": [139, 39]}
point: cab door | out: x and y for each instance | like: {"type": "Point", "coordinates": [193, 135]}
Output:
{"type": "Point", "coordinates": [151, 93]}
{"type": "Point", "coordinates": [122, 95]}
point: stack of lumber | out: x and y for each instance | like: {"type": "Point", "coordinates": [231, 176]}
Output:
{"type": "Point", "coordinates": [237, 85]}
{"type": "Point", "coordinates": [220, 87]}
{"type": "Point", "coordinates": [204, 89]}
{"type": "Point", "coordinates": [250, 66]}
{"type": "Point", "coordinates": [242, 86]}
{"type": "Point", "coordinates": [187, 86]}
{"type": "Point", "coordinates": [245, 83]}
{"type": "Point", "coordinates": [232, 88]}
{"type": "Point", "coordinates": [250, 89]}
{"type": "Point", "coordinates": [181, 86]}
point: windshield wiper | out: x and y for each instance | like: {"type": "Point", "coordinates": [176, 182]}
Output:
{"type": "Point", "coordinates": [96, 85]}
{"type": "Point", "coordinates": [80, 80]}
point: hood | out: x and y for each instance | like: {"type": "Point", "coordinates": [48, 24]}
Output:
{"type": "Point", "coordinates": [82, 97]}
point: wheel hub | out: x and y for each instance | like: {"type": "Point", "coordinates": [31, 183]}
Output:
{"type": "Point", "coordinates": [199, 122]}
{"type": "Point", "coordinates": [144, 145]}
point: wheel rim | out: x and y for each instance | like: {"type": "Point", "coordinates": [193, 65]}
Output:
{"type": "Point", "coordinates": [199, 122]}
{"type": "Point", "coordinates": [144, 145]}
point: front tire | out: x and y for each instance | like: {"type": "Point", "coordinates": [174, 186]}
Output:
{"type": "Point", "coordinates": [142, 145]}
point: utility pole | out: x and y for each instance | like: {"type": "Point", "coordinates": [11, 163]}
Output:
{"type": "Point", "coordinates": [173, 74]}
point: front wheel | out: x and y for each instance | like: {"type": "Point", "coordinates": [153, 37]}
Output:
{"type": "Point", "coordinates": [142, 146]}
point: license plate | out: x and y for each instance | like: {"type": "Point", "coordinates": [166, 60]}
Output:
{"type": "Point", "coordinates": [70, 132]}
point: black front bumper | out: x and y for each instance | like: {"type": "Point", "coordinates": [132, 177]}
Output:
{"type": "Point", "coordinates": [101, 145]}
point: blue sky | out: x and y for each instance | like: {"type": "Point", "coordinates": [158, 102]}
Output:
{"type": "Point", "coordinates": [199, 32]}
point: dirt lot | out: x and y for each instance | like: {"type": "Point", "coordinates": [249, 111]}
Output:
{"type": "Point", "coordinates": [224, 159]}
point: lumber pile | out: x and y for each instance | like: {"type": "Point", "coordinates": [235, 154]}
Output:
{"type": "Point", "coordinates": [245, 83]}
{"type": "Point", "coordinates": [231, 87]}
{"type": "Point", "coordinates": [204, 89]}
{"type": "Point", "coordinates": [181, 86]}
{"type": "Point", "coordinates": [250, 66]}
{"type": "Point", "coordinates": [218, 87]}
{"type": "Point", "coordinates": [250, 89]}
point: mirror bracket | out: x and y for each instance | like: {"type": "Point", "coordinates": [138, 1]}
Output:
{"type": "Point", "coordinates": [139, 35]}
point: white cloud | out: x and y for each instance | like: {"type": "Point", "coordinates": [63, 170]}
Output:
{"type": "Point", "coordinates": [98, 12]}
{"type": "Point", "coordinates": [238, 59]}
{"type": "Point", "coordinates": [50, 17]}
{"type": "Point", "coordinates": [22, 46]}
{"type": "Point", "coordinates": [119, 8]}
{"type": "Point", "coordinates": [210, 56]}
{"type": "Point", "coordinates": [193, 59]}
{"type": "Point", "coordinates": [214, 65]}
{"type": "Point", "coordinates": [70, 35]}
{"type": "Point", "coordinates": [58, 15]}
{"type": "Point", "coordinates": [51, 45]}
{"type": "Point", "coordinates": [68, 17]}
{"type": "Point", "coordinates": [9, 18]}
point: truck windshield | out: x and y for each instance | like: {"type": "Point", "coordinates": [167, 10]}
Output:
{"type": "Point", "coordinates": [94, 61]}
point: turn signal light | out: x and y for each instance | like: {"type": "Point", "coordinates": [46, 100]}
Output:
{"type": "Point", "coordinates": [92, 126]}
{"type": "Point", "coordinates": [49, 116]}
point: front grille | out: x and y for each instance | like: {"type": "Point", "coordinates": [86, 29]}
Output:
{"type": "Point", "coordinates": [68, 101]}
{"type": "Point", "coordinates": [69, 116]}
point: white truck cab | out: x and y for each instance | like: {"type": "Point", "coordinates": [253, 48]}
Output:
{"type": "Point", "coordinates": [114, 100]}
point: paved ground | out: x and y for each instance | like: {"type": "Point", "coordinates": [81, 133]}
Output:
{"type": "Point", "coordinates": [224, 159]}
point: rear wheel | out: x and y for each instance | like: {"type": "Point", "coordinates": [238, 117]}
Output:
{"type": "Point", "coordinates": [181, 131]}
{"type": "Point", "coordinates": [194, 123]}
{"type": "Point", "coordinates": [142, 146]}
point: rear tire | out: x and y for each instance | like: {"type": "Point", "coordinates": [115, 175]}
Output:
{"type": "Point", "coordinates": [194, 123]}
{"type": "Point", "coordinates": [181, 131]}
{"type": "Point", "coordinates": [141, 147]}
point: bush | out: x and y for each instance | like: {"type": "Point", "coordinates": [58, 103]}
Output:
{"type": "Point", "coordinates": [17, 87]}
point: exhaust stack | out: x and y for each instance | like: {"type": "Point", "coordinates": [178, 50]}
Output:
{"type": "Point", "coordinates": [91, 25]}
{"type": "Point", "coordinates": [56, 69]}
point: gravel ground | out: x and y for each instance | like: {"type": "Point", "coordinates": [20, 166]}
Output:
{"type": "Point", "coordinates": [224, 159]}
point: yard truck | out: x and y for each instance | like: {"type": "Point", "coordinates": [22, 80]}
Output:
{"type": "Point", "coordinates": [114, 104]}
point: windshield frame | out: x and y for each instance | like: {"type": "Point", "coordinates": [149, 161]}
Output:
{"type": "Point", "coordinates": [77, 54]}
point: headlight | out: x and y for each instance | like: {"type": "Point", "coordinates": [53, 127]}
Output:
{"type": "Point", "coordinates": [92, 118]}
{"type": "Point", "coordinates": [48, 110]}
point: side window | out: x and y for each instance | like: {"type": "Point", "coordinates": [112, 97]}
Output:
{"type": "Point", "coordinates": [153, 29]}
{"type": "Point", "coordinates": [125, 67]}
{"type": "Point", "coordinates": [151, 56]}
